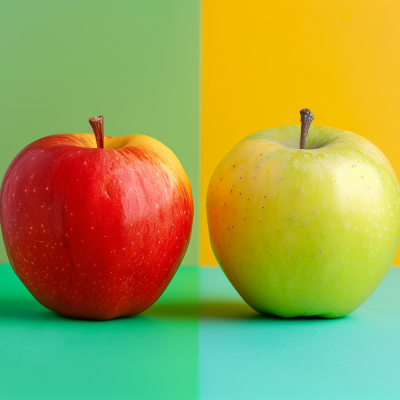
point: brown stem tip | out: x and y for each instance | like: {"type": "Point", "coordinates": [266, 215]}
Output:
{"type": "Point", "coordinates": [97, 124]}
{"type": "Point", "coordinates": [306, 119]}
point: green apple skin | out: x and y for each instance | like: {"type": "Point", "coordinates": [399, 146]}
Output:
{"type": "Point", "coordinates": [307, 232]}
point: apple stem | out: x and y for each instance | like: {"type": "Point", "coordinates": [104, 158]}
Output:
{"type": "Point", "coordinates": [306, 119]}
{"type": "Point", "coordinates": [97, 124]}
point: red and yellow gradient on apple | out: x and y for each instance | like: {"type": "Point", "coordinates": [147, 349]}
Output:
{"type": "Point", "coordinates": [96, 233]}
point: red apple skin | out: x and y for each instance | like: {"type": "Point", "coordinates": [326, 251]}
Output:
{"type": "Point", "coordinates": [96, 233]}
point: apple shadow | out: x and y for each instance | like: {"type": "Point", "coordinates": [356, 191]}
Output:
{"type": "Point", "coordinates": [236, 310]}
{"type": "Point", "coordinates": [30, 310]}
{"type": "Point", "coordinates": [221, 310]}
{"type": "Point", "coordinates": [202, 309]}
{"type": "Point", "coordinates": [226, 310]}
{"type": "Point", "coordinates": [176, 309]}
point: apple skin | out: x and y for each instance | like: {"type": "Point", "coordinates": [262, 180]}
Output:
{"type": "Point", "coordinates": [96, 233]}
{"type": "Point", "coordinates": [304, 232]}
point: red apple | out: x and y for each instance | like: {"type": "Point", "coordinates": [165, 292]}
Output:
{"type": "Point", "coordinates": [96, 232]}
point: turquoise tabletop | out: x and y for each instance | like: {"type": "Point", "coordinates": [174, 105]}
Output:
{"type": "Point", "coordinates": [244, 355]}
{"type": "Point", "coordinates": [199, 341]}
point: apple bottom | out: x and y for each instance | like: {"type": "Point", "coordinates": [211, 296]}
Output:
{"type": "Point", "coordinates": [289, 289]}
{"type": "Point", "coordinates": [105, 294]}
{"type": "Point", "coordinates": [120, 309]}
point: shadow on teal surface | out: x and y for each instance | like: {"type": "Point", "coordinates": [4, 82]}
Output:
{"type": "Point", "coordinates": [183, 309]}
{"type": "Point", "coordinates": [23, 310]}
{"type": "Point", "coordinates": [150, 356]}
{"type": "Point", "coordinates": [241, 311]}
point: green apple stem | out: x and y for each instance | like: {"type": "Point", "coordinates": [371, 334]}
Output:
{"type": "Point", "coordinates": [306, 119]}
{"type": "Point", "coordinates": [97, 124]}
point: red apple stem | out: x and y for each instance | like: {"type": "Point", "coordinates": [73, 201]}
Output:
{"type": "Point", "coordinates": [97, 124]}
{"type": "Point", "coordinates": [306, 119]}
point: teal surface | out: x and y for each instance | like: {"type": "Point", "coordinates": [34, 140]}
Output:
{"type": "Point", "coordinates": [137, 63]}
{"type": "Point", "coordinates": [151, 356]}
{"type": "Point", "coordinates": [199, 341]}
{"type": "Point", "coordinates": [244, 355]}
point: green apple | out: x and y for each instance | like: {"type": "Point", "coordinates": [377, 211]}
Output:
{"type": "Point", "coordinates": [306, 230]}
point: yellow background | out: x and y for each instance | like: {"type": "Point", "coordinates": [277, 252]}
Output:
{"type": "Point", "coordinates": [263, 61]}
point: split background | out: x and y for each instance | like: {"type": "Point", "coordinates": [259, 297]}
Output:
{"type": "Point", "coordinates": [199, 77]}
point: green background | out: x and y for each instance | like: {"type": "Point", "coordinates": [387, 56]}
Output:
{"type": "Point", "coordinates": [134, 62]}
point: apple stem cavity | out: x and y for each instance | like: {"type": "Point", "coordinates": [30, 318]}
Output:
{"type": "Point", "coordinates": [97, 124]}
{"type": "Point", "coordinates": [306, 119]}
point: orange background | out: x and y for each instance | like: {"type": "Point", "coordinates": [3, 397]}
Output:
{"type": "Point", "coordinates": [263, 61]}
